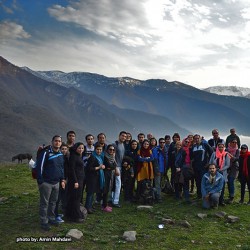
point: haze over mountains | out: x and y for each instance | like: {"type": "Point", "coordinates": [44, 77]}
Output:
{"type": "Point", "coordinates": [37, 105]}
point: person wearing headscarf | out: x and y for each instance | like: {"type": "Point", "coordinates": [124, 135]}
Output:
{"type": "Point", "coordinates": [95, 179]}
{"type": "Point", "coordinates": [75, 183]}
{"type": "Point", "coordinates": [144, 165]}
{"type": "Point", "coordinates": [180, 180]}
{"type": "Point", "coordinates": [134, 147]}
{"type": "Point", "coordinates": [244, 172]}
{"type": "Point", "coordinates": [109, 171]}
{"type": "Point", "coordinates": [221, 159]}
{"type": "Point", "coordinates": [234, 154]}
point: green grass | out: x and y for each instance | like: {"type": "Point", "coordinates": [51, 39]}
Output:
{"type": "Point", "coordinates": [19, 218]}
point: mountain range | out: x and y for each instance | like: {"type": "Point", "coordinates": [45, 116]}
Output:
{"type": "Point", "coordinates": [229, 91]}
{"type": "Point", "coordinates": [196, 110]}
{"type": "Point", "coordinates": [34, 109]}
{"type": "Point", "coordinates": [35, 105]}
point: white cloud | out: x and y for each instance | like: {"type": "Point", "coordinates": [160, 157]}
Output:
{"type": "Point", "coordinates": [116, 19]}
{"type": "Point", "coordinates": [246, 13]}
{"type": "Point", "coordinates": [190, 41]}
{"type": "Point", "coordinates": [11, 30]}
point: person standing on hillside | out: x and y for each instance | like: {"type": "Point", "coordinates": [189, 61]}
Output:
{"type": "Point", "coordinates": [213, 142]}
{"type": "Point", "coordinates": [160, 154]}
{"type": "Point", "coordinates": [75, 183]}
{"type": "Point", "coordinates": [233, 136]}
{"type": "Point", "coordinates": [71, 137]}
{"type": "Point", "coordinates": [244, 172]}
{"type": "Point", "coordinates": [119, 154]}
{"type": "Point", "coordinates": [88, 151]}
{"type": "Point", "coordinates": [171, 151]}
{"type": "Point", "coordinates": [233, 171]}
{"type": "Point", "coordinates": [50, 172]}
{"type": "Point", "coordinates": [200, 155]}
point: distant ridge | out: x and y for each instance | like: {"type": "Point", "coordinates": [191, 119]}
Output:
{"type": "Point", "coordinates": [229, 91]}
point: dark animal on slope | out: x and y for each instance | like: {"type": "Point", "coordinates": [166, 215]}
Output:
{"type": "Point", "coordinates": [21, 157]}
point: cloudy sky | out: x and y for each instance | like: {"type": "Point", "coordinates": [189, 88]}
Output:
{"type": "Point", "coordinates": [200, 42]}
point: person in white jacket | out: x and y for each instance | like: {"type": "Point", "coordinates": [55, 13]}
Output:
{"type": "Point", "coordinates": [221, 159]}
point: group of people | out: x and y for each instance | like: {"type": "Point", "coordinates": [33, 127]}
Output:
{"type": "Point", "coordinates": [66, 169]}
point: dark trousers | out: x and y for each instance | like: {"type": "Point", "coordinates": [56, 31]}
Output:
{"type": "Point", "coordinates": [243, 182]}
{"type": "Point", "coordinates": [73, 202]}
{"type": "Point", "coordinates": [198, 174]}
{"type": "Point", "coordinates": [62, 199]}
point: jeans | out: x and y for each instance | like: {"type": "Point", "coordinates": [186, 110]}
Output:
{"type": "Point", "coordinates": [212, 201]}
{"type": "Point", "coordinates": [230, 184]}
{"type": "Point", "coordinates": [48, 198]}
{"type": "Point", "coordinates": [116, 193]}
{"type": "Point", "coordinates": [89, 200]}
{"type": "Point", "coordinates": [157, 181]}
{"type": "Point", "coordinates": [221, 200]}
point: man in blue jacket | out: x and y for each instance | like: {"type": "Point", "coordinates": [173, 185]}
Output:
{"type": "Point", "coordinates": [50, 172]}
{"type": "Point", "coordinates": [160, 154]}
{"type": "Point", "coordinates": [211, 187]}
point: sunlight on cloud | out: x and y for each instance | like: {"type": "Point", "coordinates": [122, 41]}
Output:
{"type": "Point", "coordinates": [11, 30]}
{"type": "Point", "coordinates": [107, 18]}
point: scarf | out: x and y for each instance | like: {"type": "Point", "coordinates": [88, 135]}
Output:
{"type": "Point", "coordinates": [111, 158]}
{"type": "Point", "coordinates": [186, 148]}
{"type": "Point", "coordinates": [220, 156]}
{"type": "Point", "coordinates": [245, 158]}
{"type": "Point", "coordinates": [232, 148]}
{"type": "Point", "coordinates": [100, 159]}
{"type": "Point", "coordinates": [144, 153]}
{"type": "Point", "coordinates": [212, 179]}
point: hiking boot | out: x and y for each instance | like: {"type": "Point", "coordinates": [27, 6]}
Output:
{"type": "Point", "coordinates": [230, 201]}
{"type": "Point", "coordinates": [241, 201]}
{"type": "Point", "coordinates": [59, 219]}
{"type": "Point", "coordinates": [45, 227]}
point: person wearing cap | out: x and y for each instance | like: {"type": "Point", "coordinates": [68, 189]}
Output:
{"type": "Point", "coordinates": [244, 172]}
{"type": "Point", "coordinates": [211, 187]}
{"type": "Point", "coordinates": [233, 136]}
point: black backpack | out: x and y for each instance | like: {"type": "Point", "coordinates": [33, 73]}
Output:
{"type": "Point", "coordinates": [40, 151]}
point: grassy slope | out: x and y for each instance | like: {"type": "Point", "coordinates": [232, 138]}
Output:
{"type": "Point", "coordinates": [19, 218]}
